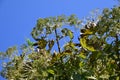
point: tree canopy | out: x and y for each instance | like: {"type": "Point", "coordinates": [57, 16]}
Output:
{"type": "Point", "coordinates": [64, 51]}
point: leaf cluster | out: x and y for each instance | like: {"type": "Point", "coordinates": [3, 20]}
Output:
{"type": "Point", "coordinates": [95, 56]}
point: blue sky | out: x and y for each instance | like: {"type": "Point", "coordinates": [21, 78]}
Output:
{"type": "Point", "coordinates": [18, 17]}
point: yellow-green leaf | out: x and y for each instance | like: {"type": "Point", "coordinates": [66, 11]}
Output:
{"type": "Point", "coordinates": [70, 34]}
{"type": "Point", "coordinates": [82, 55]}
{"type": "Point", "coordinates": [51, 71]}
{"type": "Point", "coordinates": [81, 64]}
{"type": "Point", "coordinates": [86, 31]}
{"type": "Point", "coordinates": [67, 52]}
{"type": "Point", "coordinates": [83, 42]}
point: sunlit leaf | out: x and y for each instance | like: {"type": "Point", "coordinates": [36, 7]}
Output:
{"type": "Point", "coordinates": [67, 52]}
{"type": "Point", "coordinates": [83, 42]}
{"type": "Point", "coordinates": [51, 71]}
{"type": "Point", "coordinates": [70, 34]}
{"type": "Point", "coordinates": [91, 77]}
{"type": "Point", "coordinates": [81, 64]}
{"type": "Point", "coordinates": [82, 55]}
{"type": "Point", "coordinates": [86, 31]}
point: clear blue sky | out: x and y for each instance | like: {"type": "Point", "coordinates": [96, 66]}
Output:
{"type": "Point", "coordinates": [18, 17]}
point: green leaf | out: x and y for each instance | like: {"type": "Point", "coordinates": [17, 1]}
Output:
{"type": "Point", "coordinates": [83, 42]}
{"type": "Point", "coordinates": [70, 34]}
{"type": "Point", "coordinates": [67, 32]}
{"type": "Point", "coordinates": [51, 44]}
{"type": "Point", "coordinates": [81, 64]}
{"type": "Point", "coordinates": [41, 43]}
{"type": "Point", "coordinates": [82, 55]}
{"type": "Point", "coordinates": [64, 31]}
{"type": "Point", "coordinates": [30, 43]}
{"type": "Point", "coordinates": [51, 71]}
{"type": "Point", "coordinates": [67, 52]}
{"type": "Point", "coordinates": [11, 50]}
{"type": "Point", "coordinates": [48, 30]}
{"type": "Point", "coordinates": [117, 78]}
{"type": "Point", "coordinates": [86, 31]}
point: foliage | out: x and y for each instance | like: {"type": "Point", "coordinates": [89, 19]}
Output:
{"type": "Point", "coordinates": [96, 54]}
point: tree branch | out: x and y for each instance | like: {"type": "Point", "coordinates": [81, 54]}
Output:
{"type": "Point", "coordinates": [57, 40]}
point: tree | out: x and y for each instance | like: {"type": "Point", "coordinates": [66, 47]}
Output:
{"type": "Point", "coordinates": [94, 55]}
